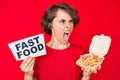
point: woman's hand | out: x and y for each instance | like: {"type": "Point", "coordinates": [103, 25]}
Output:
{"type": "Point", "coordinates": [87, 71]}
{"type": "Point", "coordinates": [27, 65]}
{"type": "Point", "coordinates": [91, 69]}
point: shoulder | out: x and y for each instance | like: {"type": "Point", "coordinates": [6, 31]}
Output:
{"type": "Point", "coordinates": [79, 48]}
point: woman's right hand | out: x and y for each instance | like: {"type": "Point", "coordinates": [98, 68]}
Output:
{"type": "Point", "coordinates": [27, 65]}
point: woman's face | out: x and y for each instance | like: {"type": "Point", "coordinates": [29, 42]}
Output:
{"type": "Point", "coordinates": [62, 26]}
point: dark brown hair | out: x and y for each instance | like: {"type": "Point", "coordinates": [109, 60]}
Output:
{"type": "Point", "coordinates": [50, 14]}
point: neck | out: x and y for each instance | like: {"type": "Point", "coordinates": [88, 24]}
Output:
{"type": "Point", "coordinates": [57, 45]}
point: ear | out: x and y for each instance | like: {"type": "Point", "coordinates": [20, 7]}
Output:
{"type": "Point", "coordinates": [50, 25]}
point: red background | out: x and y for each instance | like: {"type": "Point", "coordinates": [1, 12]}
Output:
{"type": "Point", "coordinates": [21, 18]}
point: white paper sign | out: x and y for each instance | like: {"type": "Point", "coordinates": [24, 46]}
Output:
{"type": "Point", "coordinates": [31, 46]}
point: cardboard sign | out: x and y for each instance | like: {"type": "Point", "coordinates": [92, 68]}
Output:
{"type": "Point", "coordinates": [31, 46]}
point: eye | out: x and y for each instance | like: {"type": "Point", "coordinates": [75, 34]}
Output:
{"type": "Point", "coordinates": [62, 21]}
{"type": "Point", "coordinates": [71, 21]}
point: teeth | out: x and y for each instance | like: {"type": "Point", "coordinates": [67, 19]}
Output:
{"type": "Point", "coordinates": [66, 33]}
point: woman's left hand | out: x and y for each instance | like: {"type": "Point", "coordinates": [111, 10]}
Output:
{"type": "Point", "coordinates": [87, 71]}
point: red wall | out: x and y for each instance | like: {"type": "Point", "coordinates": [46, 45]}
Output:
{"type": "Point", "coordinates": [21, 18]}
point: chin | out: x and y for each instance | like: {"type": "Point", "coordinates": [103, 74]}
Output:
{"type": "Point", "coordinates": [65, 41]}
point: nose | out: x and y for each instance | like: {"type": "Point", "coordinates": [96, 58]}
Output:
{"type": "Point", "coordinates": [68, 25]}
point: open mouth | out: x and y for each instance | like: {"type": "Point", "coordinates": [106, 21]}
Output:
{"type": "Point", "coordinates": [66, 35]}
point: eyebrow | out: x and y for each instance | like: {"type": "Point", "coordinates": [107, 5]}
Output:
{"type": "Point", "coordinates": [58, 19]}
{"type": "Point", "coordinates": [65, 19]}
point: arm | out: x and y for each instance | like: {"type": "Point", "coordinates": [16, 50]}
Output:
{"type": "Point", "coordinates": [86, 76]}
{"type": "Point", "coordinates": [28, 76]}
{"type": "Point", "coordinates": [88, 71]}
{"type": "Point", "coordinates": [27, 67]}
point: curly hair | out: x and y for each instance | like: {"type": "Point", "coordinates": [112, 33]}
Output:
{"type": "Point", "coordinates": [50, 14]}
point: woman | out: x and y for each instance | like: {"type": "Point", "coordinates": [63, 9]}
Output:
{"type": "Point", "coordinates": [59, 62]}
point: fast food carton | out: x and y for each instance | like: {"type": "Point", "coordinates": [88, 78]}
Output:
{"type": "Point", "coordinates": [100, 45]}
{"type": "Point", "coordinates": [98, 49]}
